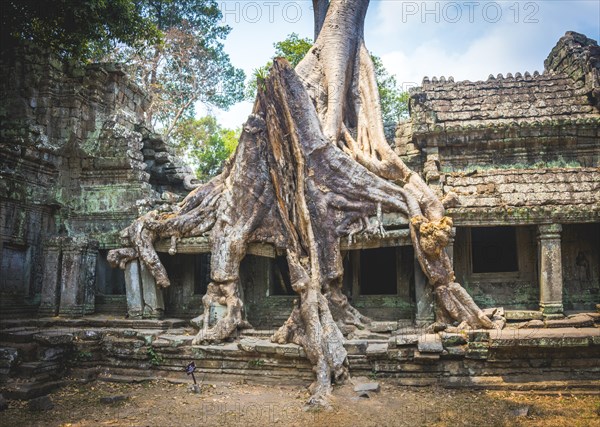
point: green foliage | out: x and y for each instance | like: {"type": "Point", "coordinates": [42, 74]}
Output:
{"type": "Point", "coordinates": [174, 48]}
{"type": "Point", "coordinates": [205, 144]}
{"type": "Point", "coordinates": [189, 66]}
{"type": "Point", "coordinates": [373, 374]}
{"type": "Point", "coordinates": [155, 358]}
{"type": "Point", "coordinates": [394, 102]}
{"type": "Point", "coordinates": [76, 30]}
{"type": "Point", "coordinates": [293, 48]}
{"type": "Point", "coordinates": [256, 363]}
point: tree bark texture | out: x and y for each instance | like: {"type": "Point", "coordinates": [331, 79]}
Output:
{"type": "Point", "coordinates": [312, 167]}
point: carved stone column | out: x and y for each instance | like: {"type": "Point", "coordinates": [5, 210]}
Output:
{"type": "Point", "coordinates": [152, 295]}
{"type": "Point", "coordinates": [77, 276]}
{"type": "Point", "coordinates": [144, 298]}
{"type": "Point", "coordinates": [450, 247]}
{"type": "Point", "coordinates": [50, 295]}
{"type": "Point", "coordinates": [550, 269]}
{"type": "Point", "coordinates": [133, 290]}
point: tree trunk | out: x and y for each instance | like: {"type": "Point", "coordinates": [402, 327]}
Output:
{"type": "Point", "coordinates": [311, 168]}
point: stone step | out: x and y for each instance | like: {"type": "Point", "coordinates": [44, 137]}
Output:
{"type": "Point", "coordinates": [30, 389]}
{"type": "Point", "coordinates": [94, 322]}
{"type": "Point", "coordinates": [18, 335]}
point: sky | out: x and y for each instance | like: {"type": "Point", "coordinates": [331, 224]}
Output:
{"type": "Point", "coordinates": [468, 40]}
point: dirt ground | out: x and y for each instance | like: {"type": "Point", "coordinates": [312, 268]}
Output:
{"type": "Point", "coordinates": [165, 404]}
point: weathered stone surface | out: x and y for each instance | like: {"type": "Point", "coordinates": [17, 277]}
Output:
{"type": "Point", "coordinates": [3, 403]}
{"type": "Point", "coordinates": [356, 347]}
{"type": "Point", "coordinates": [400, 353]}
{"type": "Point", "coordinates": [403, 340]}
{"type": "Point", "coordinates": [108, 400]}
{"type": "Point", "coordinates": [532, 324]}
{"type": "Point", "coordinates": [90, 335]}
{"type": "Point", "coordinates": [495, 311]}
{"type": "Point", "coordinates": [377, 350]}
{"type": "Point", "coordinates": [53, 353]}
{"type": "Point", "coordinates": [42, 403]}
{"type": "Point", "coordinates": [425, 357]}
{"type": "Point", "coordinates": [576, 321]}
{"type": "Point", "coordinates": [9, 357]}
{"type": "Point", "coordinates": [477, 353]}
{"type": "Point", "coordinates": [367, 387]}
{"type": "Point", "coordinates": [521, 412]}
{"type": "Point", "coordinates": [18, 336]}
{"type": "Point", "coordinates": [53, 338]}
{"type": "Point", "coordinates": [430, 343]}
{"type": "Point", "coordinates": [383, 326]}
{"type": "Point", "coordinates": [543, 338]}
{"type": "Point", "coordinates": [457, 351]}
{"type": "Point", "coordinates": [449, 339]}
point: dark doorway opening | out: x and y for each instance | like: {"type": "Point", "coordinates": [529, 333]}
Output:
{"type": "Point", "coordinates": [109, 281]}
{"type": "Point", "coordinates": [201, 273]}
{"type": "Point", "coordinates": [494, 249]}
{"type": "Point", "coordinates": [282, 285]}
{"type": "Point", "coordinates": [378, 272]}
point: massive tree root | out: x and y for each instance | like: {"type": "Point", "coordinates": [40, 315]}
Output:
{"type": "Point", "coordinates": [311, 168]}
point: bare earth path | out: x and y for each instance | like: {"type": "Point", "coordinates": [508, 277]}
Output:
{"type": "Point", "coordinates": [166, 404]}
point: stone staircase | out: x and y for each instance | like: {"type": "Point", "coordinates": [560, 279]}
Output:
{"type": "Point", "coordinates": [38, 355]}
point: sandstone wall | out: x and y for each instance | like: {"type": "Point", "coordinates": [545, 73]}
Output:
{"type": "Point", "coordinates": [76, 160]}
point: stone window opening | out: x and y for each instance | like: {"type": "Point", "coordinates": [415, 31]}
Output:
{"type": "Point", "coordinates": [494, 250]}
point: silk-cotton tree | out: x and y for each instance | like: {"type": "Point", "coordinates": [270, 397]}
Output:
{"type": "Point", "coordinates": [312, 167]}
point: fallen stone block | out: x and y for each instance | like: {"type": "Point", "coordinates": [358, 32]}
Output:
{"type": "Point", "coordinates": [457, 351]}
{"type": "Point", "coordinates": [523, 315]}
{"type": "Point", "coordinates": [18, 336]}
{"type": "Point", "coordinates": [377, 350]}
{"type": "Point", "coordinates": [355, 347]}
{"type": "Point", "coordinates": [9, 357]}
{"type": "Point", "coordinates": [532, 324]}
{"type": "Point", "coordinates": [248, 344]}
{"type": "Point", "coordinates": [43, 403]}
{"type": "Point", "coordinates": [266, 347]}
{"type": "Point", "coordinates": [430, 343]}
{"type": "Point", "coordinates": [52, 353]}
{"type": "Point", "coordinates": [90, 335]}
{"type": "Point", "coordinates": [521, 412]}
{"type": "Point", "coordinates": [576, 321]}
{"type": "Point", "coordinates": [403, 340]}
{"type": "Point", "coordinates": [114, 399]}
{"type": "Point", "coordinates": [425, 357]}
{"type": "Point", "coordinates": [383, 326]}
{"type": "Point", "coordinates": [449, 340]}
{"type": "Point", "coordinates": [367, 387]}
{"type": "Point", "coordinates": [52, 338]}
{"type": "Point", "coordinates": [400, 354]}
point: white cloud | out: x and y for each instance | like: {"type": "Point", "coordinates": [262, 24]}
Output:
{"type": "Point", "coordinates": [519, 41]}
{"type": "Point", "coordinates": [430, 44]}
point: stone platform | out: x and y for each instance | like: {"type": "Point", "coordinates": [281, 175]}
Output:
{"type": "Point", "coordinates": [37, 355]}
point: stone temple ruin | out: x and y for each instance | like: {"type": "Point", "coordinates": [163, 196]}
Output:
{"type": "Point", "coordinates": [522, 153]}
